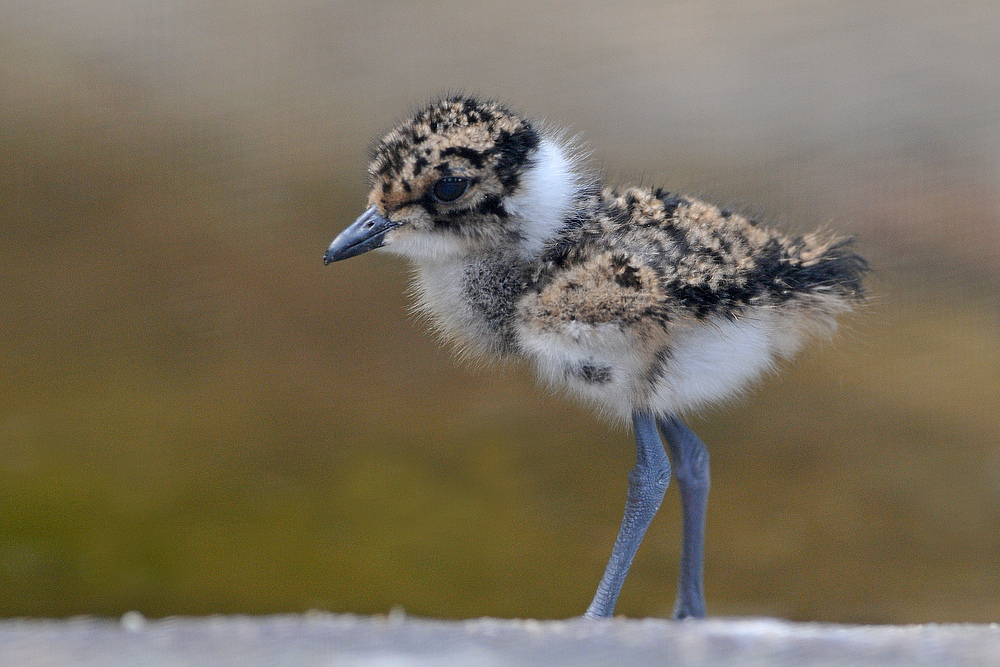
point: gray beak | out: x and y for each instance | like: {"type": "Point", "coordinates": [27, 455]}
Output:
{"type": "Point", "coordinates": [366, 233]}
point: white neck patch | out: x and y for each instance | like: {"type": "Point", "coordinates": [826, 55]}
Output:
{"type": "Point", "coordinates": [546, 195]}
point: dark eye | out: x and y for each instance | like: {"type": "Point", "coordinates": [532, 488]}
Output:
{"type": "Point", "coordinates": [450, 188]}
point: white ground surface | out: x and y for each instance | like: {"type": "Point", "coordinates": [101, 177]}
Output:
{"type": "Point", "coordinates": [327, 639]}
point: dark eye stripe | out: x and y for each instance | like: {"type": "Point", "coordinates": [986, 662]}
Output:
{"type": "Point", "coordinates": [473, 156]}
{"type": "Point", "coordinates": [450, 188]}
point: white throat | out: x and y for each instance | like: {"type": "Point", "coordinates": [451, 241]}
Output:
{"type": "Point", "coordinates": [546, 196]}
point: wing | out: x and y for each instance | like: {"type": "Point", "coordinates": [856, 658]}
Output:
{"type": "Point", "coordinates": [608, 288]}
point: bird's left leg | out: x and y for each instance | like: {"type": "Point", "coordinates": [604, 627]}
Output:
{"type": "Point", "coordinates": [690, 460]}
{"type": "Point", "coordinates": [647, 482]}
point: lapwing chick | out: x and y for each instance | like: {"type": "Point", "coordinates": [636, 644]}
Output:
{"type": "Point", "coordinates": [643, 303]}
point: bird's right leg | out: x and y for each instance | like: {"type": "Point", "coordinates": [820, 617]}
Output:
{"type": "Point", "coordinates": [647, 482]}
{"type": "Point", "coordinates": [690, 461]}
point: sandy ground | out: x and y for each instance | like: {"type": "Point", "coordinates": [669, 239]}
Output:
{"type": "Point", "coordinates": [328, 639]}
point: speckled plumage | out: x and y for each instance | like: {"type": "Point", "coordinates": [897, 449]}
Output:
{"type": "Point", "coordinates": [639, 301]}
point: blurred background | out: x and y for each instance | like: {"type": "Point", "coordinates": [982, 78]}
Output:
{"type": "Point", "coordinates": [198, 417]}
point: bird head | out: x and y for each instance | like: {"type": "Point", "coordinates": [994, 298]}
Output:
{"type": "Point", "coordinates": [459, 177]}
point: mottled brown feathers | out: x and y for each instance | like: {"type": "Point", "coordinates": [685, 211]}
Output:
{"type": "Point", "coordinates": [457, 136]}
{"type": "Point", "coordinates": [669, 256]}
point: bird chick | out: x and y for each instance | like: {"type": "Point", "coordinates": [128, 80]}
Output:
{"type": "Point", "coordinates": [643, 303]}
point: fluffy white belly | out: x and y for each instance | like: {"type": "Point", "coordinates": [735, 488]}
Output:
{"type": "Point", "coordinates": [708, 361]}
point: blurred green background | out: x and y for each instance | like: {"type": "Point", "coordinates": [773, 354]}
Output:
{"type": "Point", "coordinates": [198, 417]}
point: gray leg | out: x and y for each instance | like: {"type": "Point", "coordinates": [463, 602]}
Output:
{"type": "Point", "coordinates": [647, 482]}
{"type": "Point", "coordinates": [690, 459]}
